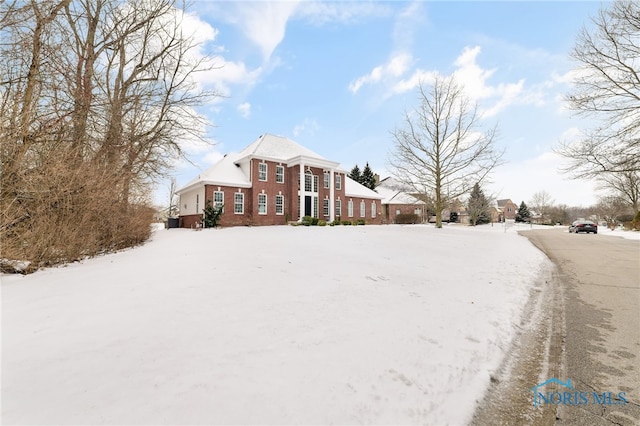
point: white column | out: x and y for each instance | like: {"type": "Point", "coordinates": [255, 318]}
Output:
{"type": "Point", "coordinates": [332, 196]}
{"type": "Point", "coordinates": [301, 192]}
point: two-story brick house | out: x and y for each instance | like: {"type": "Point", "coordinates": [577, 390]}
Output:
{"type": "Point", "coordinates": [263, 185]}
{"type": "Point", "coordinates": [506, 209]}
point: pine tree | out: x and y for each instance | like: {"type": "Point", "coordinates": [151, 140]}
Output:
{"type": "Point", "coordinates": [368, 179]}
{"type": "Point", "coordinates": [523, 214]}
{"type": "Point", "coordinates": [212, 215]}
{"type": "Point", "coordinates": [478, 206]}
{"type": "Point", "coordinates": [355, 174]}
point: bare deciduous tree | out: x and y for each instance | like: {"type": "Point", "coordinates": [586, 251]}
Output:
{"type": "Point", "coordinates": [607, 89]}
{"type": "Point", "coordinates": [95, 96]}
{"type": "Point", "coordinates": [609, 207]}
{"type": "Point", "coordinates": [624, 186]}
{"type": "Point", "coordinates": [540, 204]}
{"type": "Point", "coordinates": [440, 151]}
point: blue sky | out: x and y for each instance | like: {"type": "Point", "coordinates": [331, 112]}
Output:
{"type": "Point", "coordinates": [337, 77]}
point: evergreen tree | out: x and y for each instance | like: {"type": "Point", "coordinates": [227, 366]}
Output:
{"type": "Point", "coordinates": [212, 215]}
{"type": "Point", "coordinates": [368, 179]}
{"type": "Point", "coordinates": [478, 206]}
{"type": "Point", "coordinates": [355, 174]}
{"type": "Point", "coordinates": [523, 214]}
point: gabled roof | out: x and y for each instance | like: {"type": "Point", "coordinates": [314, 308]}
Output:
{"type": "Point", "coordinates": [502, 203]}
{"type": "Point", "coordinates": [395, 192]}
{"type": "Point", "coordinates": [224, 172]}
{"type": "Point", "coordinates": [394, 196]}
{"type": "Point", "coordinates": [393, 183]}
{"type": "Point", "coordinates": [355, 189]}
{"type": "Point", "coordinates": [269, 146]}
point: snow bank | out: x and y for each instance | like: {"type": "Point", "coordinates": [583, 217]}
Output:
{"type": "Point", "coordinates": [269, 325]}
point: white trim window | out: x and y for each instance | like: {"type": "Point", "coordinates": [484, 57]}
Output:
{"type": "Point", "coordinates": [326, 180]}
{"type": "Point", "coordinates": [308, 182]}
{"type": "Point", "coordinates": [262, 171]}
{"type": "Point", "coordinates": [325, 207]}
{"type": "Point", "coordinates": [279, 174]}
{"type": "Point", "coordinates": [218, 200]}
{"type": "Point", "coordinates": [363, 209]}
{"type": "Point", "coordinates": [280, 204]}
{"type": "Point", "coordinates": [350, 208]}
{"type": "Point", "coordinates": [373, 210]}
{"type": "Point", "coordinates": [262, 203]}
{"type": "Point", "coordinates": [338, 182]}
{"type": "Point", "coordinates": [338, 208]}
{"type": "Point", "coordinates": [238, 203]}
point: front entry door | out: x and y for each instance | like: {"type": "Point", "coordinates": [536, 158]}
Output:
{"type": "Point", "coordinates": [307, 205]}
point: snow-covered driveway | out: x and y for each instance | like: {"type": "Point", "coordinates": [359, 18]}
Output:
{"type": "Point", "coordinates": [268, 325]}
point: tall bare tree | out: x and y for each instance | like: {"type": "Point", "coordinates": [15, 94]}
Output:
{"type": "Point", "coordinates": [95, 96]}
{"type": "Point", "coordinates": [439, 151]}
{"type": "Point", "coordinates": [607, 90]}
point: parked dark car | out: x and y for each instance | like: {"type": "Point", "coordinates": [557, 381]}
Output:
{"type": "Point", "coordinates": [583, 226]}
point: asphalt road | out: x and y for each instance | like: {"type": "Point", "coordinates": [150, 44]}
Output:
{"type": "Point", "coordinates": [583, 325]}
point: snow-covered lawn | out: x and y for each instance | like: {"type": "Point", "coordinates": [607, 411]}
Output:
{"type": "Point", "coordinates": [268, 325]}
{"type": "Point", "coordinates": [629, 235]}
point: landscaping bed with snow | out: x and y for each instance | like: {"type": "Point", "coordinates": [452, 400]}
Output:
{"type": "Point", "coordinates": [268, 325]}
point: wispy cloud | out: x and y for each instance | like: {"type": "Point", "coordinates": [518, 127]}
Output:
{"type": "Point", "coordinates": [308, 126]}
{"type": "Point", "coordinates": [245, 109]}
{"type": "Point", "coordinates": [394, 68]}
{"type": "Point", "coordinates": [226, 73]}
{"type": "Point", "coordinates": [321, 13]}
{"type": "Point", "coordinates": [468, 73]}
{"type": "Point", "coordinates": [407, 22]}
{"type": "Point", "coordinates": [401, 59]}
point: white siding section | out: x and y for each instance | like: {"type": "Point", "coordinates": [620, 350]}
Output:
{"type": "Point", "coordinates": [190, 199]}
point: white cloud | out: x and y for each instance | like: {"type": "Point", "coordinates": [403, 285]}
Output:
{"type": "Point", "coordinates": [468, 73]}
{"type": "Point", "coordinates": [199, 31]}
{"type": "Point", "coordinates": [212, 157]}
{"type": "Point", "coordinates": [417, 78]}
{"type": "Point", "coordinates": [394, 68]}
{"type": "Point", "coordinates": [226, 73]}
{"type": "Point", "coordinates": [308, 126]}
{"type": "Point", "coordinates": [244, 109]}
{"type": "Point", "coordinates": [471, 75]}
{"type": "Point", "coordinates": [508, 94]}
{"type": "Point", "coordinates": [474, 79]}
{"type": "Point", "coordinates": [263, 23]}
{"type": "Point", "coordinates": [400, 60]}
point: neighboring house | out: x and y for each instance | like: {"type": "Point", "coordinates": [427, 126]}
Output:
{"type": "Point", "coordinates": [504, 209]}
{"type": "Point", "coordinates": [396, 201]}
{"type": "Point", "coordinates": [460, 209]}
{"type": "Point", "coordinates": [263, 185]}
